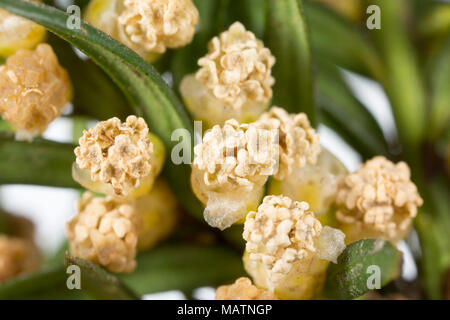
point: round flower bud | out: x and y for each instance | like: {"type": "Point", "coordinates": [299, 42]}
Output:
{"type": "Point", "coordinates": [377, 201]}
{"type": "Point", "coordinates": [230, 168]}
{"type": "Point", "coordinates": [243, 289]}
{"type": "Point", "coordinates": [234, 80]}
{"type": "Point", "coordinates": [121, 159]}
{"type": "Point", "coordinates": [104, 232]}
{"type": "Point", "coordinates": [34, 89]}
{"type": "Point", "coordinates": [18, 33]}
{"type": "Point", "coordinates": [288, 250]}
{"type": "Point", "coordinates": [17, 256]}
{"type": "Point", "coordinates": [108, 231]}
{"type": "Point", "coordinates": [148, 27]}
{"type": "Point", "coordinates": [299, 143]}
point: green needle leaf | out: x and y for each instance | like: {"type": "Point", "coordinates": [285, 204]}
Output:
{"type": "Point", "coordinates": [251, 13]}
{"type": "Point", "coordinates": [404, 82]}
{"type": "Point", "coordinates": [98, 283]}
{"type": "Point", "coordinates": [95, 94]}
{"type": "Point", "coordinates": [440, 100]}
{"type": "Point", "coordinates": [184, 60]}
{"type": "Point", "coordinates": [288, 39]}
{"type": "Point", "coordinates": [342, 112]}
{"type": "Point", "coordinates": [336, 40]}
{"type": "Point", "coordinates": [183, 267]}
{"type": "Point", "coordinates": [348, 278]}
{"type": "Point", "coordinates": [33, 284]}
{"type": "Point", "coordinates": [42, 162]}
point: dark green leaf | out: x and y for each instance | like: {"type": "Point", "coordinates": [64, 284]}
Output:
{"type": "Point", "coordinates": [183, 267]}
{"type": "Point", "coordinates": [349, 277]}
{"type": "Point", "coordinates": [42, 162]}
{"type": "Point", "coordinates": [146, 91]}
{"type": "Point", "coordinates": [251, 13]}
{"type": "Point", "coordinates": [99, 284]}
{"type": "Point", "coordinates": [337, 41]}
{"type": "Point", "coordinates": [184, 60]}
{"type": "Point", "coordinates": [94, 92]}
{"type": "Point", "coordinates": [288, 39]}
{"type": "Point", "coordinates": [33, 284]}
{"type": "Point", "coordinates": [342, 112]}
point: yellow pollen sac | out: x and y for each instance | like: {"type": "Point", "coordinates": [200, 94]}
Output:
{"type": "Point", "coordinates": [377, 201]}
{"type": "Point", "coordinates": [34, 89]}
{"type": "Point", "coordinates": [234, 80]}
{"type": "Point", "coordinates": [229, 171]}
{"type": "Point", "coordinates": [118, 159]}
{"type": "Point", "coordinates": [18, 33]}
{"type": "Point", "coordinates": [316, 184]}
{"type": "Point", "coordinates": [243, 289]}
{"type": "Point", "coordinates": [158, 214]}
{"type": "Point", "coordinates": [288, 249]}
{"type": "Point", "coordinates": [148, 27]}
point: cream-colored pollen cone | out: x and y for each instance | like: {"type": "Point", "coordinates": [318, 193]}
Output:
{"type": "Point", "coordinates": [234, 81]}
{"type": "Point", "coordinates": [119, 159]}
{"type": "Point", "coordinates": [229, 171]}
{"type": "Point", "coordinates": [287, 249]}
{"type": "Point", "coordinates": [377, 201]}
{"type": "Point", "coordinates": [243, 289]}
{"type": "Point", "coordinates": [148, 27]}
{"type": "Point", "coordinates": [34, 89]}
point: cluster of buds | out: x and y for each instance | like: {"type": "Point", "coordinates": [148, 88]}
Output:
{"type": "Point", "coordinates": [377, 201]}
{"type": "Point", "coordinates": [306, 171]}
{"type": "Point", "coordinates": [148, 27]}
{"type": "Point", "coordinates": [121, 160]}
{"type": "Point", "coordinates": [234, 161]}
{"type": "Point", "coordinates": [234, 81]}
{"type": "Point", "coordinates": [18, 33]}
{"type": "Point", "coordinates": [34, 89]}
{"type": "Point", "coordinates": [288, 250]}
